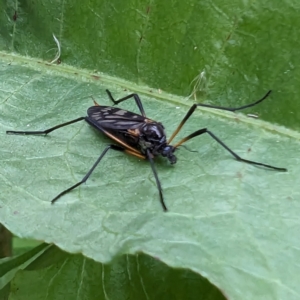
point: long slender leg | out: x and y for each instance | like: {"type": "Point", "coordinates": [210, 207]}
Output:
{"type": "Point", "coordinates": [237, 108]}
{"type": "Point", "coordinates": [237, 157]}
{"type": "Point", "coordinates": [189, 113]}
{"type": "Point", "coordinates": [85, 178]}
{"type": "Point", "coordinates": [192, 109]}
{"type": "Point", "coordinates": [136, 98]}
{"type": "Point", "coordinates": [150, 158]}
{"type": "Point", "coordinates": [47, 130]}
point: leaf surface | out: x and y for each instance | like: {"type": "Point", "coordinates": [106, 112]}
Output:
{"type": "Point", "coordinates": [233, 223]}
{"type": "Point", "coordinates": [227, 219]}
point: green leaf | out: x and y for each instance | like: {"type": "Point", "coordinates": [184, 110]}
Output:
{"type": "Point", "coordinates": [243, 47]}
{"type": "Point", "coordinates": [233, 223]}
{"type": "Point", "coordinates": [129, 277]}
{"type": "Point", "coordinates": [227, 220]}
{"type": "Point", "coordinates": [10, 266]}
{"type": "Point", "coordinates": [21, 246]}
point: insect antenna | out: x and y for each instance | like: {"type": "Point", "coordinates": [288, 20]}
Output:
{"type": "Point", "coordinates": [187, 148]}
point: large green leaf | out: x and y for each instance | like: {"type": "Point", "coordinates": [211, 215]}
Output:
{"type": "Point", "coordinates": [233, 223]}
{"type": "Point", "coordinates": [228, 220]}
{"type": "Point", "coordinates": [243, 47]}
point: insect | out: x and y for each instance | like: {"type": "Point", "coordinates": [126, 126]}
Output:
{"type": "Point", "coordinates": [140, 136]}
{"type": "Point", "coordinates": [15, 16]}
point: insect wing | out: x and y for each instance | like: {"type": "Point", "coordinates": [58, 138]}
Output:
{"type": "Point", "coordinates": [113, 118]}
{"type": "Point", "coordinates": [116, 124]}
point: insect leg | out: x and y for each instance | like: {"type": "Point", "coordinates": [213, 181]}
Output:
{"type": "Point", "coordinates": [189, 113]}
{"type": "Point", "coordinates": [47, 130]}
{"type": "Point", "coordinates": [237, 157]}
{"type": "Point", "coordinates": [192, 109]}
{"type": "Point", "coordinates": [85, 178]}
{"type": "Point", "coordinates": [237, 108]}
{"type": "Point", "coordinates": [150, 158]}
{"type": "Point", "coordinates": [136, 98]}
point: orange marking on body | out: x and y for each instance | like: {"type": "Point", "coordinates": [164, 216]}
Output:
{"type": "Point", "coordinates": [149, 121]}
{"type": "Point", "coordinates": [134, 132]}
{"type": "Point", "coordinates": [121, 142]}
{"type": "Point", "coordinates": [139, 155]}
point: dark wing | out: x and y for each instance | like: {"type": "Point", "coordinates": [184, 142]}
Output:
{"type": "Point", "coordinates": [113, 118]}
{"type": "Point", "coordinates": [117, 124]}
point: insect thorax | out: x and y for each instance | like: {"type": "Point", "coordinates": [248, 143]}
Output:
{"type": "Point", "coordinates": [152, 137]}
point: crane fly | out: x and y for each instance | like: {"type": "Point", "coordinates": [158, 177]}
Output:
{"type": "Point", "coordinates": [140, 136]}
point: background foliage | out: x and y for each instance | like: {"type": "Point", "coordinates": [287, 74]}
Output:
{"type": "Point", "coordinates": [232, 223]}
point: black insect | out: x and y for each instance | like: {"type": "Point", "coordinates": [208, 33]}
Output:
{"type": "Point", "coordinates": [15, 16]}
{"type": "Point", "coordinates": [140, 136]}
